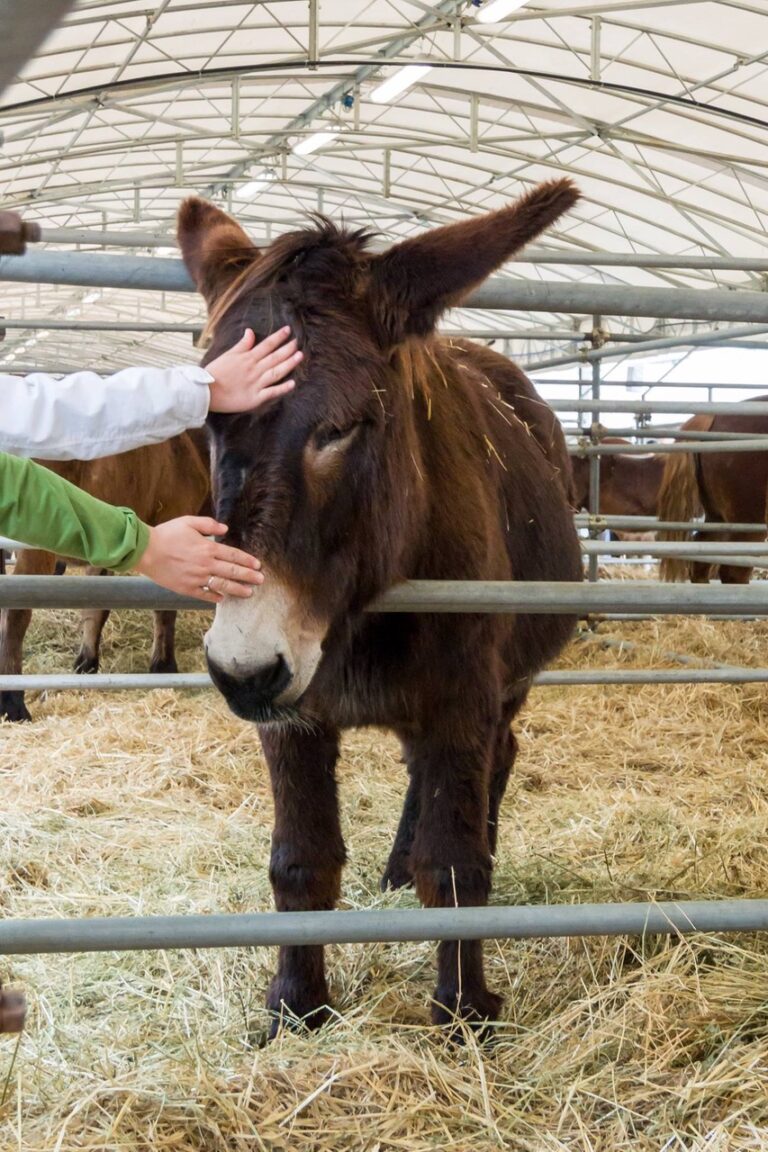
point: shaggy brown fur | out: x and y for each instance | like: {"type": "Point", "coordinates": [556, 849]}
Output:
{"type": "Point", "coordinates": [439, 474]}
{"type": "Point", "coordinates": [159, 482]}
{"type": "Point", "coordinates": [727, 487]}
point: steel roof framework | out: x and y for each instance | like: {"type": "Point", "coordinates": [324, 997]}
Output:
{"type": "Point", "coordinates": [658, 109]}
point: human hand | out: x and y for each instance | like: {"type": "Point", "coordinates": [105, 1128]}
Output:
{"type": "Point", "coordinates": [181, 557]}
{"type": "Point", "coordinates": [245, 376]}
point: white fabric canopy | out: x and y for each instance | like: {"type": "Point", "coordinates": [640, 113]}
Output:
{"type": "Point", "coordinates": [659, 110]}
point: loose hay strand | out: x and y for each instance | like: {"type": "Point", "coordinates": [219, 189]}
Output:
{"type": "Point", "coordinates": [126, 804]}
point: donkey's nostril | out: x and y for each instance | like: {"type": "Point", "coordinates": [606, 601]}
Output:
{"type": "Point", "coordinates": [270, 680]}
{"type": "Point", "coordinates": [249, 694]}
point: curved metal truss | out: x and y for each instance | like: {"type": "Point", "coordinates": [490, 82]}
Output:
{"type": "Point", "coordinates": [659, 109]}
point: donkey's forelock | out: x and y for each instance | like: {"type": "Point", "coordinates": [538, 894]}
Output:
{"type": "Point", "coordinates": [260, 269]}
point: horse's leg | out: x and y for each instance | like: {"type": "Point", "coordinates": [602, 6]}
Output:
{"type": "Point", "coordinates": [732, 573]}
{"type": "Point", "coordinates": [451, 860]}
{"type": "Point", "coordinates": [701, 572]}
{"type": "Point", "coordinates": [92, 621]}
{"type": "Point", "coordinates": [307, 858]}
{"type": "Point", "coordinates": [14, 623]}
{"type": "Point", "coordinates": [163, 650]}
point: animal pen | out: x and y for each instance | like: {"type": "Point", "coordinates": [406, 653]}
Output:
{"type": "Point", "coordinates": [627, 599]}
{"type": "Point", "coordinates": [136, 827]}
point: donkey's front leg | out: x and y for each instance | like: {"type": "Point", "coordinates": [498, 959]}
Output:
{"type": "Point", "coordinates": [452, 864]}
{"type": "Point", "coordinates": [307, 858]}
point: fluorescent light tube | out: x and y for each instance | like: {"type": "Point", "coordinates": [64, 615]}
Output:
{"type": "Point", "coordinates": [312, 143]}
{"type": "Point", "coordinates": [254, 187]}
{"type": "Point", "coordinates": [497, 10]}
{"type": "Point", "coordinates": [402, 79]}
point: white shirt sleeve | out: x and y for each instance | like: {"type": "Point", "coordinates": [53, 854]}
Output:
{"type": "Point", "coordinates": [84, 415]}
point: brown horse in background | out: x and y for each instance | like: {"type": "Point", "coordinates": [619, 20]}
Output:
{"type": "Point", "coordinates": [399, 455]}
{"type": "Point", "coordinates": [159, 482]}
{"type": "Point", "coordinates": [629, 485]}
{"type": "Point", "coordinates": [724, 487]}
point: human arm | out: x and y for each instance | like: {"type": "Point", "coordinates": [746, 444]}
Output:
{"type": "Point", "coordinates": [45, 511]}
{"type": "Point", "coordinates": [84, 416]}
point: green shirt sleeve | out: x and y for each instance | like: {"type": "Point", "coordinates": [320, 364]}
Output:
{"type": "Point", "coordinates": [39, 508]}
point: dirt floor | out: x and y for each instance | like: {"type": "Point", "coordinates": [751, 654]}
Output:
{"type": "Point", "coordinates": [121, 804]}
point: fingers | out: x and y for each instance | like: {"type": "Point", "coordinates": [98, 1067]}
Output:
{"type": "Point", "coordinates": [205, 525]}
{"type": "Point", "coordinates": [221, 586]}
{"type": "Point", "coordinates": [246, 341]}
{"type": "Point", "coordinates": [225, 554]}
{"type": "Point", "coordinates": [275, 391]}
{"type": "Point", "coordinates": [278, 364]}
{"type": "Point", "coordinates": [270, 343]}
{"type": "Point", "coordinates": [209, 597]}
{"type": "Point", "coordinates": [231, 571]}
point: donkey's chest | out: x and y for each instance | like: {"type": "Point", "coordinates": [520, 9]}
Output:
{"type": "Point", "coordinates": [371, 678]}
{"type": "Point", "coordinates": [403, 670]}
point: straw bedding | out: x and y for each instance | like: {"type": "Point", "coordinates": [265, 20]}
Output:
{"type": "Point", "coordinates": [158, 802]}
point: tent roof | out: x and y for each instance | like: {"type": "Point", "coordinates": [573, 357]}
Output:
{"type": "Point", "coordinates": [659, 110]}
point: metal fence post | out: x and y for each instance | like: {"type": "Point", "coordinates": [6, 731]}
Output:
{"type": "Point", "coordinates": [594, 461]}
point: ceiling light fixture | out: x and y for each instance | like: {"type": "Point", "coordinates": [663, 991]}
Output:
{"type": "Point", "coordinates": [317, 140]}
{"type": "Point", "coordinates": [254, 187]}
{"type": "Point", "coordinates": [498, 10]}
{"type": "Point", "coordinates": [403, 79]}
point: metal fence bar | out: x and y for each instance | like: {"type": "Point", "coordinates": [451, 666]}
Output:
{"type": "Point", "coordinates": [657, 407]}
{"type": "Point", "coordinates": [543, 334]}
{"type": "Point", "coordinates": [99, 270]}
{"type": "Point", "coordinates": [653, 676]}
{"type": "Point", "coordinates": [725, 549]}
{"type": "Point", "coordinates": [104, 681]}
{"type": "Point", "coordinates": [267, 929]}
{"type": "Point", "coordinates": [99, 326]}
{"type": "Point", "coordinates": [593, 494]}
{"type": "Point", "coordinates": [197, 681]}
{"type": "Point", "coordinates": [697, 446]}
{"type": "Point", "coordinates": [570, 382]}
{"type": "Point", "coordinates": [690, 339]}
{"type": "Point", "coordinates": [532, 255]}
{"type": "Point", "coordinates": [651, 524]}
{"type": "Point", "coordinates": [600, 432]}
{"type": "Point", "coordinates": [566, 598]}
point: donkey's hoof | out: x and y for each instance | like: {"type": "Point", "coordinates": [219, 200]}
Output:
{"type": "Point", "coordinates": [86, 663]}
{"type": "Point", "coordinates": [163, 667]}
{"type": "Point", "coordinates": [13, 708]}
{"type": "Point", "coordinates": [397, 873]}
{"type": "Point", "coordinates": [477, 1009]}
{"type": "Point", "coordinates": [293, 1005]}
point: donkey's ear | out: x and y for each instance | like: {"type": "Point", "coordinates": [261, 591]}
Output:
{"type": "Point", "coordinates": [214, 247]}
{"type": "Point", "coordinates": [414, 282]}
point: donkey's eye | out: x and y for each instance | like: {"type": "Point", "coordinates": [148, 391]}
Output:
{"type": "Point", "coordinates": [331, 435]}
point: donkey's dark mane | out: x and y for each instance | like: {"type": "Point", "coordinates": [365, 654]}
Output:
{"type": "Point", "coordinates": [263, 267]}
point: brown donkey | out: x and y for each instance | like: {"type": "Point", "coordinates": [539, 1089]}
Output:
{"type": "Point", "coordinates": [726, 487]}
{"type": "Point", "coordinates": [159, 482]}
{"type": "Point", "coordinates": [400, 455]}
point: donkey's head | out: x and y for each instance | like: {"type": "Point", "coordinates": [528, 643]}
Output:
{"type": "Point", "coordinates": [327, 486]}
